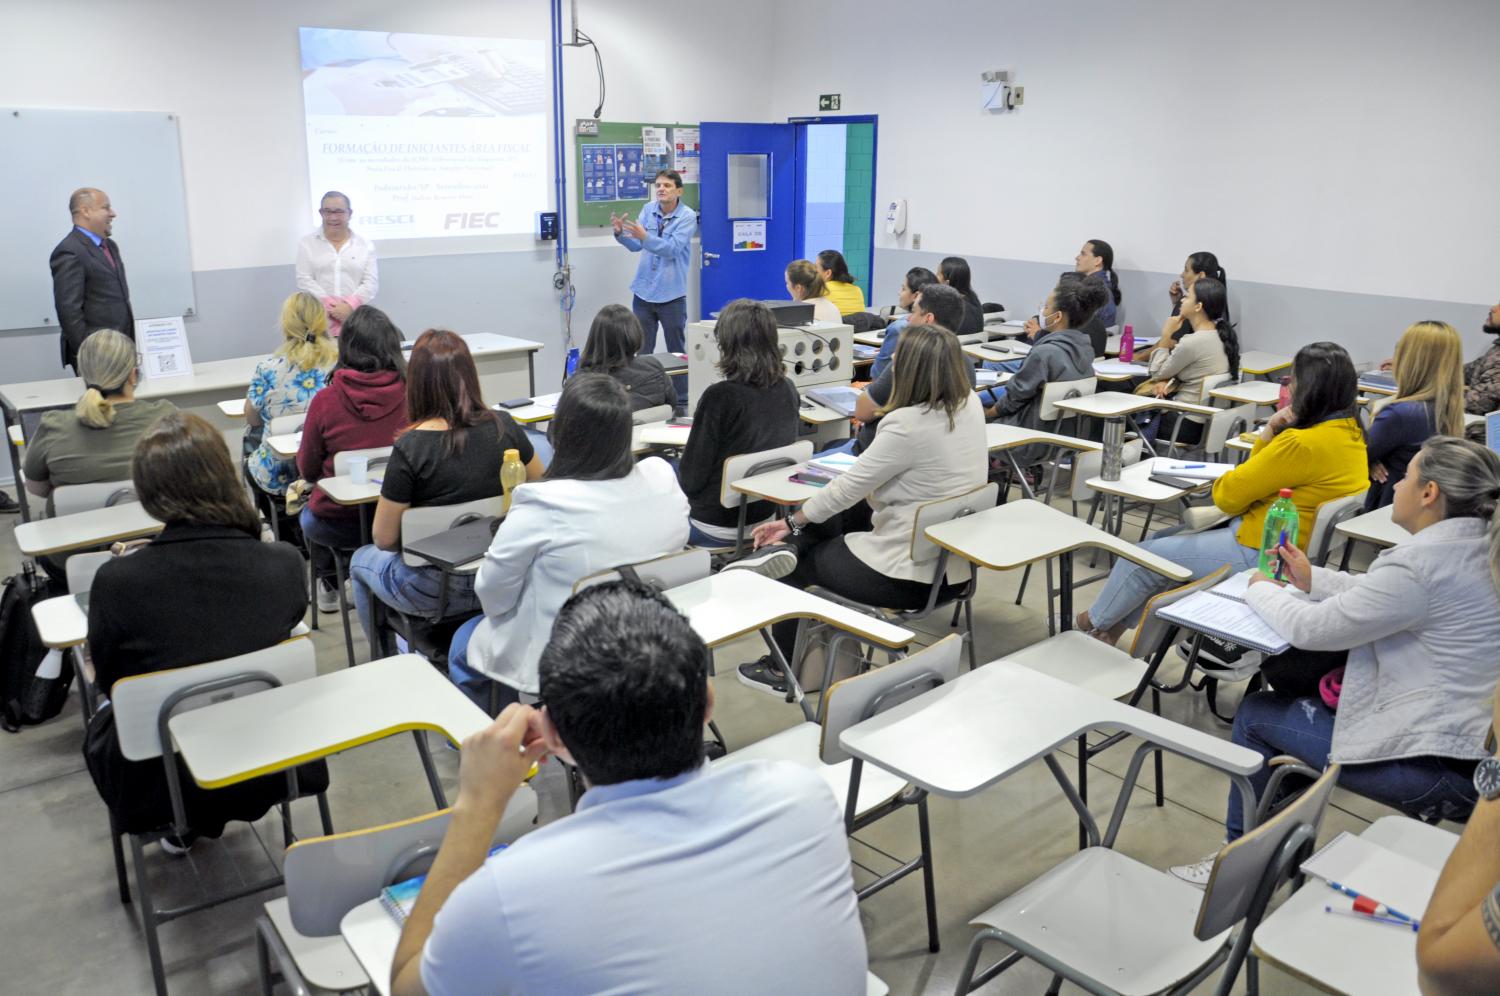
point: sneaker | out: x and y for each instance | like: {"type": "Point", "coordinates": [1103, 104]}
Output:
{"type": "Point", "coordinates": [328, 596]}
{"type": "Point", "coordinates": [8, 504]}
{"type": "Point", "coordinates": [178, 846]}
{"type": "Point", "coordinates": [774, 561]}
{"type": "Point", "coordinates": [763, 676]}
{"type": "Point", "coordinates": [1197, 873]}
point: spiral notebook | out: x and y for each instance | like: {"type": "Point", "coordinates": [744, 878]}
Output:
{"type": "Point", "coordinates": [397, 900]}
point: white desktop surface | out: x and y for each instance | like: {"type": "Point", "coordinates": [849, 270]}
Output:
{"type": "Point", "coordinates": [731, 604]}
{"type": "Point", "coordinates": [96, 527]}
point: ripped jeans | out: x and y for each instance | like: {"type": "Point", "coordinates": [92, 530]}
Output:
{"type": "Point", "coordinates": [1421, 787]}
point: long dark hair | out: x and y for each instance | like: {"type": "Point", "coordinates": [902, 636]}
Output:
{"type": "Point", "coordinates": [370, 342]}
{"type": "Point", "coordinates": [1106, 252]}
{"type": "Point", "coordinates": [748, 344]}
{"type": "Point", "coordinates": [614, 340]}
{"type": "Point", "coordinates": [955, 270]}
{"type": "Point", "coordinates": [442, 382]}
{"type": "Point", "coordinates": [183, 473]}
{"type": "Point", "coordinates": [833, 261]}
{"type": "Point", "coordinates": [590, 431]}
{"type": "Point", "coordinates": [918, 277]}
{"type": "Point", "coordinates": [1210, 293]}
{"type": "Point", "coordinates": [1326, 384]}
{"type": "Point", "coordinates": [1207, 263]}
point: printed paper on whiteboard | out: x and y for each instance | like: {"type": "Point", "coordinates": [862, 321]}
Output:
{"type": "Point", "coordinates": [750, 236]}
{"type": "Point", "coordinates": [163, 345]}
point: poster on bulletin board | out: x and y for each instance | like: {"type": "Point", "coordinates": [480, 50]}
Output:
{"type": "Point", "coordinates": [615, 167]}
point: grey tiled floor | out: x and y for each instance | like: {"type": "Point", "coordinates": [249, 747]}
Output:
{"type": "Point", "coordinates": [63, 929]}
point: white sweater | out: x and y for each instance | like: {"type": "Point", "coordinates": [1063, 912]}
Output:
{"type": "Point", "coordinates": [557, 533]}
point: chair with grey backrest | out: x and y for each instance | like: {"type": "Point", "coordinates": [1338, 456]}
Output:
{"type": "Point", "coordinates": [81, 568]}
{"type": "Point", "coordinates": [142, 705]}
{"type": "Point", "coordinates": [297, 938]}
{"type": "Point", "coordinates": [1209, 384]}
{"type": "Point", "coordinates": [69, 499]}
{"type": "Point", "coordinates": [743, 465]}
{"type": "Point", "coordinates": [1224, 425]}
{"type": "Point", "coordinates": [1110, 924]}
{"type": "Point", "coordinates": [656, 413]}
{"type": "Point", "coordinates": [281, 425]}
{"type": "Point", "coordinates": [378, 457]}
{"type": "Point", "coordinates": [868, 793]}
{"type": "Point", "coordinates": [1053, 417]}
{"type": "Point", "coordinates": [1325, 524]}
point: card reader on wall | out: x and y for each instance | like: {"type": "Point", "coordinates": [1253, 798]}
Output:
{"type": "Point", "coordinates": [546, 226]}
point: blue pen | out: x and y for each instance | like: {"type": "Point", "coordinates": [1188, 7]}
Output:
{"type": "Point", "coordinates": [1279, 544]}
{"type": "Point", "coordinates": [1376, 906]}
{"type": "Point", "coordinates": [1403, 924]}
{"type": "Point", "coordinates": [1189, 466]}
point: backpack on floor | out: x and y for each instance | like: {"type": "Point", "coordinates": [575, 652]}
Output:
{"type": "Point", "coordinates": [26, 699]}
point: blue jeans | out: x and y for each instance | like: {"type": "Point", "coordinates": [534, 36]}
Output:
{"type": "Point", "coordinates": [1421, 787]}
{"type": "Point", "coordinates": [697, 537]}
{"type": "Point", "coordinates": [673, 318]}
{"type": "Point", "coordinates": [382, 574]}
{"type": "Point", "coordinates": [847, 446]}
{"type": "Point", "coordinates": [1130, 585]}
{"type": "Point", "coordinates": [325, 534]}
{"type": "Point", "coordinates": [473, 684]}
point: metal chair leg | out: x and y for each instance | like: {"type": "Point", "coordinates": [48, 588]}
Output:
{"type": "Point", "coordinates": [432, 777]}
{"type": "Point", "coordinates": [324, 814]}
{"type": "Point", "coordinates": [338, 574]}
{"type": "Point", "coordinates": [928, 886]}
{"type": "Point", "coordinates": [148, 916]}
{"type": "Point", "coordinates": [120, 874]}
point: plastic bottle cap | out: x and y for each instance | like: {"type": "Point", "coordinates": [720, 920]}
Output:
{"type": "Point", "coordinates": [1286, 492]}
{"type": "Point", "coordinates": [516, 455]}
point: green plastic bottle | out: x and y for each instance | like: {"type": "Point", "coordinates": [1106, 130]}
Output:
{"type": "Point", "coordinates": [1281, 527]}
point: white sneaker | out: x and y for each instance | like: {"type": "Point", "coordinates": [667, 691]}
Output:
{"type": "Point", "coordinates": [1196, 873]}
{"type": "Point", "coordinates": [328, 596]}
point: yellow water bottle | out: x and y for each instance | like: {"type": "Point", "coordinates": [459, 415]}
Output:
{"type": "Point", "coordinates": [512, 475]}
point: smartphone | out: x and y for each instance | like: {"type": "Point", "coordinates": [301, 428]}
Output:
{"type": "Point", "coordinates": [571, 367]}
{"type": "Point", "coordinates": [515, 403]}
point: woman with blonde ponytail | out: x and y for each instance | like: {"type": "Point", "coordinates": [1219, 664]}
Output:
{"type": "Point", "coordinates": [93, 442]}
{"type": "Point", "coordinates": [284, 384]}
{"type": "Point", "coordinates": [1408, 713]}
{"type": "Point", "coordinates": [1429, 401]}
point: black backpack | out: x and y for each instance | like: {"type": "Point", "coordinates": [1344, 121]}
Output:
{"type": "Point", "coordinates": [25, 699]}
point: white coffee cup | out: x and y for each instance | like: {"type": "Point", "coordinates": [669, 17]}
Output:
{"type": "Point", "coordinates": [359, 469]}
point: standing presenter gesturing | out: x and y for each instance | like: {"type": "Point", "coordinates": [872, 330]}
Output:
{"type": "Point", "coordinates": [663, 234]}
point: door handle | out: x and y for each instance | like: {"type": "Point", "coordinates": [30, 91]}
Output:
{"type": "Point", "coordinates": [708, 258]}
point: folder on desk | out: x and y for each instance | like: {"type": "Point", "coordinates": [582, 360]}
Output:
{"type": "Point", "coordinates": [1227, 618]}
{"type": "Point", "coordinates": [1378, 872]}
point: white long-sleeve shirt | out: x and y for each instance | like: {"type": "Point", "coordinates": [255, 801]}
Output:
{"type": "Point", "coordinates": [347, 271]}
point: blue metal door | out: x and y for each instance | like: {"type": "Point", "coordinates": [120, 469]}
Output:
{"type": "Point", "coordinates": [747, 211]}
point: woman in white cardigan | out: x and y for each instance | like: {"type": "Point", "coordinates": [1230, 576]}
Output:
{"type": "Point", "coordinates": [854, 536]}
{"type": "Point", "coordinates": [1408, 714]}
{"type": "Point", "coordinates": [594, 509]}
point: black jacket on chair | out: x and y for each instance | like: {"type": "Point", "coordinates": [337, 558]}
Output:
{"type": "Point", "coordinates": [88, 292]}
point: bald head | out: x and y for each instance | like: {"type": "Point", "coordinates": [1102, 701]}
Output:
{"type": "Point", "coordinates": [90, 209]}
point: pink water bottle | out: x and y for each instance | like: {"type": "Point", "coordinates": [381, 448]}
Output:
{"type": "Point", "coordinates": [1127, 344]}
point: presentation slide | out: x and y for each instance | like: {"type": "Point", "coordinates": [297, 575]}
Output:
{"type": "Point", "coordinates": [430, 136]}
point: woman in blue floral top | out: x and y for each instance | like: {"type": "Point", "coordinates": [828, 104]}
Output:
{"type": "Point", "coordinates": [284, 384]}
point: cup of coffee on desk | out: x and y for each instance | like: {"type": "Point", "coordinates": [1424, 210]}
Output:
{"type": "Point", "coordinates": [359, 469]}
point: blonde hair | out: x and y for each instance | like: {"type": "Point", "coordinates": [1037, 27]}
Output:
{"type": "Point", "coordinates": [804, 273]}
{"type": "Point", "coordinates": [105, 362]}
{"type": "Point", "coordinates": [304, 323]}
{"type": "Point", "coordinates": [928, 370]}
{"type": "Point", "coordinates": [1429, 366]}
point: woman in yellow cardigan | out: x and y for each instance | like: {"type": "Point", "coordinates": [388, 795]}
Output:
{"type": "Point", "coordinates": [1313, 446]}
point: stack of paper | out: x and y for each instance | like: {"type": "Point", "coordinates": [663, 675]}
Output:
{"type": "Point", "coordinates": [822, 469]}
{"type": "Point", "coordinates": [839, 399]}
{"type": "Point", "coordinates": [1119, 368]}
{"type": "Point", "coordinates": [1189, 469]}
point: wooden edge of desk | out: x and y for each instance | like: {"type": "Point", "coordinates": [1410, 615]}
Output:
{"type": "Point", "coordinates": [1129, 551]}
{"type": "Point", "coordinates": [317, 755]}
{"type": "Point", "coordinates": [823, 618]}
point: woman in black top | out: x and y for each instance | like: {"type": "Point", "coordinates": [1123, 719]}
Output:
{"type": "Point", "coordinates": [753, 408]}
{"type": "Point", "coordinates": [613, 348]}
{"type": "Point", "coordinates": [215, 591]}
{"type": "Point", "coordinates": [1198, 264]}
{"type": "Point", "coordinates": [954, 271]}
{"type": "Point", "coordinates": [449, 453]}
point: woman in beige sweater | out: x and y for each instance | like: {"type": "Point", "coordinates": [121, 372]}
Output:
{"type": "Point", "coordinates": [1180, 366]}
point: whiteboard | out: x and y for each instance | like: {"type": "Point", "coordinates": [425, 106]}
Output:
{"type": "Point", "coordinates": [135, 158]}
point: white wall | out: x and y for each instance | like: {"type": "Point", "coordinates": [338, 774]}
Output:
{"type": "Point", "coordinates": [1343, 145]}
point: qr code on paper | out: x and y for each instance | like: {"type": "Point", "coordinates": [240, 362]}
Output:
{"type": "Point", "coordinates": [167, 363]}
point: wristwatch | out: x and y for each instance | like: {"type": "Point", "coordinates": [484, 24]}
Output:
{"type": "Point", "coordinates": [1487, 778]}
{"type": "Point", "coordinates": [791, 525]}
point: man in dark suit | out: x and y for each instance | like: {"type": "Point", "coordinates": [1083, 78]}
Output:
{"type": "Point", "coordinates": [88, 275]}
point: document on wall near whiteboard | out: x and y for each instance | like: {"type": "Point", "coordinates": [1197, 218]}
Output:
{"type": "Point", "coordinates": [685, 153]}
{"type": "Point", "coordinates": [163, 346]}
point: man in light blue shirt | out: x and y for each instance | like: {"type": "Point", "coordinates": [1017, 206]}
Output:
{"type": "Point", "coordinates": [669, 877]}
{"type": "Point", "coordinates": [664, 231]}
{"type": "Point", "coordinates": [911, 287]}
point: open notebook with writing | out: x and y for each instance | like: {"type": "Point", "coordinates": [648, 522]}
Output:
{"type": "Point", "coordinates": [1228, 617]}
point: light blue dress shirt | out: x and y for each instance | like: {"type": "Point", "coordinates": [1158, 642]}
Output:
{"type": "Point", "coordinates": [732, 880]}
{"type": "Point", "coordinates": [95, 239]}
{"type": "Point", "coordinates": [888, 346]}
{"type": "Point", "coordinates": [662, 273]}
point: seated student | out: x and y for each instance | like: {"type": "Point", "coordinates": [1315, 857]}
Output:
{"type": "Point", "coordinates": [214, 591]}
{"type": "Point", "coordinates": [916, 278]}
{"type": "Point", "coordinates": [1313, 446]}
{"type": "Point", "coordinates": [854, 536]}
{"type": "Point", "coordinates": [1429, 402]}
{"type": "Point", "coordinates": [1482, 377]}
{"type": "Point", "coordinates": [805, 284]}
{"type": "Point", "coordinates": [954, 271]}
{"type": "Point", "coordinates": [839, 283]}
{"type": "Point", "coordinates": [285, 383]}
{"type": "Point", "coordinates": [1097, 257]}
{"type": "Point", "coordinates": [1197, 266]}
{"type": "Point", "coordinates": [595, 508]}
{"type": "Point", "coordinates": [1096, 293]}
{"type": "Point", "coordinates": [1184, 363]}
{"type": "Point", "coordinates": [753, 408]}
{"type": "Point", "coordinates": [363, 407]}
{"type": "Point", "coordinates": [449, 453]}
{"type": "Point", "coordinates": [1408, 714]}
{"type": "Point", "coordinates": [669, 876]}
{"type": "Point", "coordinates": [613, 347]}
{"type": "Point", "coordinates": [94, 442]}
{"type": "Point", "coordinates": [1458, 947]}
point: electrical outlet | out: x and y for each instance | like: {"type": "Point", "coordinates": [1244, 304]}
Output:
{"type": "Point", "coordinates": [1017, 96]}
{"type": "Point", "coordinates": [916, 240]}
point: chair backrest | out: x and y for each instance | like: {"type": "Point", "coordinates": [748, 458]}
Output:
{"type": "Point", "coordinates": [1226, 423]}
{"type": "Point", "coordinates": [1152, 627]}
{"type": "Point", "coordinates": [1090, 463]}
{"type": "Point", "coordinates": [974, 500]}
{"type": "Point", "coordinates": [427, 520]}
{"type": "Point", "coordinates": [138, 701]}
{"type": "Point", "coordinates": [283, 424]}
{"type": "Point", "coordinates": [1242, 866]}
{"type": "Point", "coordinates": [661, 573]}
{"type": "Point", "coordinates": [856, 699]}
{"type": "Point", "coordinates": [1330, 514]}
{"type": "Point", "coordinates": [656, 413]}
{"type": "Point", "coordinates": [379, 457]}
{"type": "Point", "coordinates": [1059, 390]}
{"type": "Point", "coordinates": [744, 465]}
{"type": "Point", "coordinates": [81, 568]}
{"type": "Point", "coordinates": [1210, 383]}
{"type": "Point", "coordinates": [68, 499]}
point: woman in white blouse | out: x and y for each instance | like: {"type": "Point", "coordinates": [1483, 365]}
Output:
{"type": "Point", "coordinates": [335, 265]}
{"type": "Point", "coordinates": [805, 284]}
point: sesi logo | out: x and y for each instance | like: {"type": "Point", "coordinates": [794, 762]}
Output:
{"type": "Point", "coordinates": [473, 219]}
{"type": "Point", "coordinates": [388, 219]}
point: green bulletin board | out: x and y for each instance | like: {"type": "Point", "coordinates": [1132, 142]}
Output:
{"type": "Point", "coordinates": [615, 168]}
